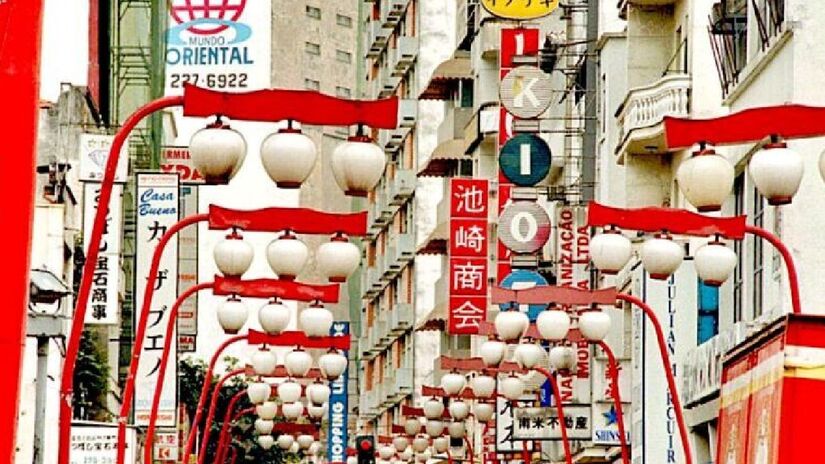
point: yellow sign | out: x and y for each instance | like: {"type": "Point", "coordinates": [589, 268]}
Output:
{"type": "Point", "coordinates": [520, 9]}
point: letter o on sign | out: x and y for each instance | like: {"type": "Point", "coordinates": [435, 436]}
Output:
{"type": "Point", "coordinates": [524, 227]}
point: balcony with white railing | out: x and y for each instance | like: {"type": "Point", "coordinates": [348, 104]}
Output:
{"type": "Point", "coordinates": [640, 118]}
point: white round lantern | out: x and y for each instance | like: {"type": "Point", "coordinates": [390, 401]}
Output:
{"type": "Point", "coordinates": [305, 441]}
{"type": "Point", "coordinates": [263, 426]}
{"type": "Point", "coordinates": [714, 263]}
{"type": "Point", "coordinates": [610, 251]}
{"type": "Point", "coordinates": [316, 321]}
{"type": "Point", "coordinates": [706, 180]}
{"type": "Point", "coordinates": [419, 445]}
{"type": "Point", "coordinates": [441, 444]}
{"type": "Point", "coordinates": [298, 363]}
{"type": "Point", "coordinates": [553, 324]}
{"type": "Point", "coordinates": [412, 426]}
{"type": "Point", "coordinates": [314, 449]}
{"type": "Point", "coordinates": [777, 172]}
{"type": "Point", "coordinates": [266, 441]}
{"type": "Point", "coordinates": [453, 383]}
{"type": "Point", "coordinates": [232, 315]}
{"type": "Point", "coordinates": [264, 362]}
{"type": "Point", "coordinates": [484, 386]}
{"type": "Point", "coordinates": [661, 256]}
{"type": "Point", "coordinates": [217, 152]}
{"type": "Point", "coordinates": [456, 430]}
{"type": "Point", "coordinates": [512, 388]}
{"type": "Point", "coordinates": [562, 358]}
{"type": "Point", "coordinates": [288, 156]}
{"type": "Point", "coordinates": [287, 256]}
{"type": "Point", "coordinates": [318, 393]}
{"type": "Point", "coordinates": [293, 411]}
{"type": "Point", "coordinates": [493, 352]}
{"type": "Point", "coordinates": [483, 411]}
{"type": "Point", "coordinates": [267, 411]}
{"type": "Point", "coordinates": [511, 325]}
{"type": "Point", "coordinates": [528, 355]}
{"type": "Point", "coordinates": [400, 443]}
{"type": "Point", "coordinates": [406, 455]}
{"type": "Point", "coordinates": [386, 452]}
{"type": "Point", "coordinates": [258, 392]}
{"type": "Point", "coordinates": [290, 391]}
{"type": "Point", "coordinates": [285, 442]}
{"type": "Point", "coordinates": [233, 255]}
{"type": "Point", "coordinates": [358, 165]}
{"type": "Point", "coordinates": [274, 317]}
{"type": "Point", "coordinates": [317, 412]}
{"type": "Point", "coordinates": [338, 258]}
{"type": "Point", "coordinates": [434, 428]}
{"type": "Point", "coordinates": [433, 409]}
{"type": "Point", "coordinates": [594, 325]}
{"type": "Point", "coordinates": [294, 448]}
{"type": "Point", "coordinates": [459, 410]}
{"type": "Point", "coordinates": [332, 364]}
{"type": "Point", "coordinates": [423, 457]}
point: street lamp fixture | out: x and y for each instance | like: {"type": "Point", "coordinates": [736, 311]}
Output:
{"type": "Point", "coordinates": [287, 256]}
{"type": "Point", "coordinates": [217, 151]}
{"type": "Point", "coordinates": [661, 256]}
{"type": "Point", "coordinates": [317, 412]}
{"type": "Point", "coordinates": [483, 412]}
{"type": "Point", "coordinates": [777, 172]}
{"type": "Point", "coordinates": [706, 179]}
{"type": "Point", "coordinates": [289, 391]}
{"type": "Point", "coordinates": [441, 444]}
{"type": "Point", "coordinates": [511, 324]}
{"type": "Point", "coordinates": [433, 409]}
{"type": "Point", "coordinates": [714, 262]}
{"type": "Point", "coordinates": [266, 441]}
{"type": "Point", "coordinates": [492, 352]}
{"type": "Point", "coordinates": [292, 411]}
{"type": "Point", "coordinates": [338, 258]}
{"type": "Point", "coordinates": [484, 386]}
{"type": "Point", "coordinates": [298, 362]}
{"type": "Point", "coordinates": [610, 251]}
{"type": "Point", "coordinates": [264, 361]}
{"type": "Point", "coordinates": [459, 410]}
{"type": "Point", "coordinates": [316, 320]}
{"type": "Point", "coordinates": [288, 156]}
{"type": "Point", "coordinates": [512, 388]}
{"type": "Point", "coordinates": [456, 430]}
{"type": "Point", "coordinates": [400, 443]}
{"type": "Point", "coordinates": [528, 355]}
{"type": "Point", "coordinates": [318, 394]}
{"type": "Point", "coordinates": [268, 410]}
{"type": "Point", "coordinates": [358, 164]}
{"type": "Point", "coordinates": [434, 427]}
{"type": "Point", "coordinates": [419, 444]}
{"type": "Point", "coordinates": [594, 325]}
{"type": "Point", "coordinates": [263, 426]}
{"type": "Point", "coordinates": [258, 392]}
{"type": "Point", "coordinates": [274, 317]}
{"type": "Point", "coordinates": [233, 255]}
{"type": "Point", "coordinates": [332, 364]}
{"type": "Point", "coordinates": [562, 358]}
{"type": "Point", "coordinates": [305, 441]}
{"type": "Point", "coordinates": [232, 315]}
{"type": "Point", "coordinates": [553, 324]}
{"type": "Point", "coordinates": [285, 441]}
{"type": "Point", "coordinates": [453, 383]}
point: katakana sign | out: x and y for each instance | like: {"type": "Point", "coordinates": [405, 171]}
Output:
{"type": "Point", "coordinates": [525, 160]}
{"type": "Point", "coordinates": [157, 210]}
{"type": "Point", "coordinates": [524, 227]}
{"type": "Point", "coordinates": [469, 237]}
{"type": "Point", "coordinates": [526, 92]}
{"type": "Point", "coordinates": [520, 9]}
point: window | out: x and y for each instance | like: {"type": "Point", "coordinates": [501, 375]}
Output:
{"type": "Point", "coordinates": [758, 216]}
{"type": "Point", "coordinates": [344, 21]}
{"type": "Point", "coordinates": [311, 84]}
{"type": "Point", "coordinates": [739, 249]}
{"type": "Point", "coordinates": [343, 92]}
{"type": "Point", "coordinates": [313, 12]}
{"type": "Point", "coordinates": [312, 48]}
{"type": "Point", "coordinates": [729, 40]}
{"type": "Point", "coordinates": [708, 322]}
{"type": "Point", "coordinates": [343, 57]}
{"type": "Point", "coordinates": [770, 16]}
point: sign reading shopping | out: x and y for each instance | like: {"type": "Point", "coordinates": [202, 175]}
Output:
{"type": "Point", "coordinates": [338, 419]}
{"type": "Point", "coordinates": [469, 237]}
{"type": "Point", "coordinates": [217, 45]}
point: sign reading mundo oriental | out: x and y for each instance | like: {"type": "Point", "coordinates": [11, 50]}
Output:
{"type": "Point", "coordinates": [218, 44]}
{"type": "Point", "coordinates": [469, 237]}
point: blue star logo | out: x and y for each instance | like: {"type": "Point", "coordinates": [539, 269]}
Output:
{"type": "Point", "coordinates": [611, 416]}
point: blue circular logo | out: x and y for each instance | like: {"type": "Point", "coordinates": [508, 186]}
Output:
{"type": "Point", "coordinates": [522, 280]}
{"type": "Point", "coordinates": [525, 160]}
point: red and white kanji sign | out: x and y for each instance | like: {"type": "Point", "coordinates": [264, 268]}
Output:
{"type": "Point", "coordinates": [469, 245]}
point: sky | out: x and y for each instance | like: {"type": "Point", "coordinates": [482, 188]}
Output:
{"type": "Point", "coordinates": [65, 47]}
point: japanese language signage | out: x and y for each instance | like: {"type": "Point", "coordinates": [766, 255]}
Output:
{"type": "Point", "coordinates": [469, 207]}
{"type": "Point", "coordinates": [104, 296]}
{"type": "Point", "coordinates": [520, 9]}
{"type": "Point", "coordinates": [543, 423]}
{"type": "Point", "coordinates": [506, 441]}
{"type": "Point", "coordinates": [92, 444]}
{"type": "Point", "coordinates": [94, 153]}
{"type": "Point", "coordinates": [166, 446]}
{"type": "Point", "coordinates": [338, 407]}
{"type": "Point", "coordinates": [188, 272]}
{"type": "Point", "coordinates": [157, 210]}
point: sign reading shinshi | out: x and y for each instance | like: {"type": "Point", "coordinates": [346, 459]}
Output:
{"type": "Point", "coordinates": [520, 9]}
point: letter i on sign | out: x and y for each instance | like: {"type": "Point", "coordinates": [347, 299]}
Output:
{"type": "Point", "coordinates": [524, 165]}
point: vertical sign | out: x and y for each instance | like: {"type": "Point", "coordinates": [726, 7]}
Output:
{"type": "Point", "coordinates": [469, 207]}
{"type": "Point", "coordinates": [514, 42]}
{"type": "Point", "coordinates": [158, 208]}
{"type": "Point", "coordinates": [506, 441]}
{"type": "Point", "coordinates": [338, 407]}
{"type": "Point", "coordinates": [104, 295]}
{"type": "Point", "coordinates": [218, 45]}
{"type": "Point", "coordinates": [188, 272]}
{"type": "Point", "coordinates": [572, 257]}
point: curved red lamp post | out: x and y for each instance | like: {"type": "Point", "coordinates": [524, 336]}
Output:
{"type": "Point", "coordinates": [683, 222]}
{"type": "Point", "coordinates": [228, 419]}
{"type": "Point", "coordinates": [615, 394]}
{"type": "Point", "coordinates": [226, 436]}
{"type": "Point", "coordinates": [263, 105]}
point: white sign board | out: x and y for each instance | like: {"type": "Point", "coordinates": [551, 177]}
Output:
{"type": "Point", "coordinates": [92, 444]}
{"type": "Point", "coordinates": [606, 424]}
{"type": "Point", "coordinates": [543, 423]}
{"type": "Point", "coordinates": [218, 45]}
{"type": "Point", "coordinates": [103, 300]}
{"type": "Point", "coordinates": [188, 272]}
{"type": "Point", "coordinates": [166, 446]}
{"type": "Point", "coordinates": [157, 210]}
{"type": "Point", "coordinates": [506, 441]}
{"type": "Point", "coordinates": [94, 152]}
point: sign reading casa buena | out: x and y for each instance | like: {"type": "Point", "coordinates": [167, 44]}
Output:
{"type": "Point", "coordinates": [520, 9]}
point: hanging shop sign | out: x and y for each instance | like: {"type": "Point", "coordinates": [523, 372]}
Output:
{"type": "Point", "coordinates": [522, 279]}
{"type": "Point", "coordinates": [524, 227]}
{"type": "Point", "coordinates": [526, 92]}
{"type": "Point", "coordinates": [525, 160]}
{"type": "Point", "coordinates": [104, 295]}
{"type": "Point", "coordinates": [178, 160]}
{"type": "Point", "coordinates": [94, 152]}
{"type": "Point", "coordinates": [158, 206]}
{"type": "Point", "coordinates": [543, 423]}
{"type": "Point", "coordinates": [337, 438]}
{"type": "Point", "coordinates": [188, 272]}
{"type": "Point", "coordinates": [520, 9]}
{"type": "Point", "coordinates": [606, 424]}
{"type": "Point", "coordinates": [166, 446]}
{"type": "Point", "coordinates": [469, 209]}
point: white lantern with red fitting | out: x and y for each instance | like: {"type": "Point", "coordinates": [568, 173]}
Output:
{"type": "Point", "coordinates": [332, 364]}
{"type": "Point", "coordinates": [258, 392]}
{"type": "Point", "coordinates": [287, 256]}
{"type": "Point", "coordinates": [267, 411]}
{"type": "Point", "coordinates": [266, 441]}
{"type": "Point", "coordinates": [706, 180]}
{"type": "Point", "coordinates": [457, 430]}
{"type": "Point", "coordinates": [316, 320]}
{"type": "Point", "coordinates": [232, 315]}
{"type": "Point", "coordinates": [594, 325]}
{"type": "Point", "coordinates": [433, 409]}
{"type": "Point", "coordinates": [661, 256]}
{"type": "Point", "coordinates": [318, 393]}
{"type": "Point", "coordinates": [338, 258]}
{"type": "Point", "coordinates": [512, 388]}
{"type": "Point", "coordinates": [553, 324]}
{"type": "Point", "coordinates": [233, 255]}
{"type": "Point", "coordinates": [562, 358]}
{"type": "Point", "coordinates": [285, 441]}
{"type": "Point", "coordinates": [493, 352]}
{"type": "Point", "coordinates": [459, 410]}
{"type": "Point", "coordinates": [714, 263]}
{"type": "Point", "coordinates": [264, 361]}
{"type": "Point", "coordinates": [412, 426]}
{"type": "Point", "coordinates": [484, 386]}
{"type": "Point", "coordinates": [218, 152]}
{"type": "Point", "coordinates": [358, 164]}
{"type": "Point", "coordinates": [434, 427]}
{"type": "Point", "coordinates": [441, 444]}
{"type": "Point", "coordinates": [288, 157]}
{"type": "Point", "coordinates": [293, 411]}
{"type": "Point", "coordinates": [528, 355]}
{"type": "Point", "coordinates": [263, 426]}
{"type": "Point", "coordinates": [511, 325]}
{"type": "Point", "coordinates": [400, 443]}
{"type": "Point", "coordinates": [453, 383]}
{"type": "Point", "coordinates": [274, 317]}
{"type": "Point", "coordinates": [610, 251]}
{"type": "Point", "coordinates": [290, 391]}
{"type": "Point", "coordinates": [483, 411]}
{"type": "Point", "coordinates": [298, 363]}
{"type": "Point", "coordinates": [777, 172]}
